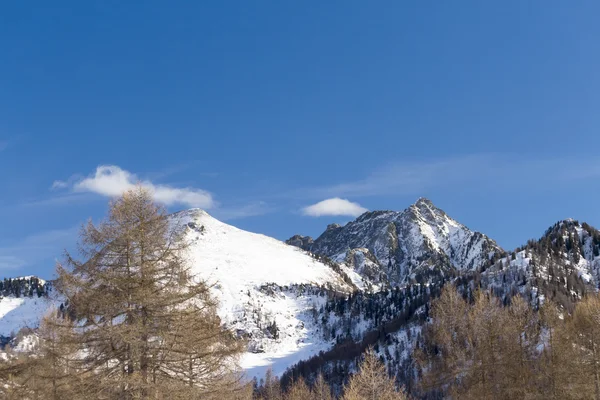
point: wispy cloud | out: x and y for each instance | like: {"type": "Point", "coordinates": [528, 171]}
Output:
{"type": "Point", "coordinates": [56, 185]}
{"type": "Point", "coordinates": [334, 207]}
{"type": "Point", "coordinates": [66, 199]}
{"type": "Point", "coordinates": [112, 181]}
{"type": "Point", "coordinates": [479, 171]}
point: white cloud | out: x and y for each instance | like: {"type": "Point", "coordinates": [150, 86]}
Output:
{"type": "Point", "coordinates": [112, 181]}
{"type": "Point", "coordinates": [335, 207]}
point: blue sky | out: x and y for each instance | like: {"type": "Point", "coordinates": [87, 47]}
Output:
{"type": "Point", "coordinates": [258, 110]}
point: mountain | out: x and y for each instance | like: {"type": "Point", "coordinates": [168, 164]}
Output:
{"type": "Point", "coordinates": [266, 289]}
{"type": "Point", "coordinates": [562, 265]}
{"type": "Point", "coordinates": [411, 245]}
{"type": "Point", "coordinates": [314, 305]}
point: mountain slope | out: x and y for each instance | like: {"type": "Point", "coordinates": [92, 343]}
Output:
{"type": "Point", "coordinates": [562, 265]}
{"type": "Point", "coordinates": [23, 302]}
{"type": "Point", "coordinates": [17, 313]}
{"type": "Point", "coordinates": [265, 287]}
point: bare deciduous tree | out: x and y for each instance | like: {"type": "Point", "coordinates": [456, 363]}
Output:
{"type": "Point", "coordinates": [144, 325]}
{"type": "Point", "coordinates": [372, 382]}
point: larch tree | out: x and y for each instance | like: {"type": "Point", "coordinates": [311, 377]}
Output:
{"type": "Point", "coordinates": [270, 388]}
{"type": "Point", "coordinates": [557, 370]}
{"type": "Point", "coordinates": [583, 332]}
{"type": "Point", "coordinates": [145, 326]}
{"type": "Point", "coordinates": [521, 352]}
{"type": "Point", "coordinates": [447, 353]}
{"type": "Point", "coordinates": [481, 350]}
{"type": "Point", "coordinates": [298, 391]}
{"type": "Point", "coordinates": [50, 373]}
{"type": "Point", "coordinates": [372, 381]}
{"type": "Point", "coordinates": [320, 389]}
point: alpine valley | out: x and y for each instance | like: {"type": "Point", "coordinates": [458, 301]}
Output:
{"type": "Point", "coordinates": [313, 305]}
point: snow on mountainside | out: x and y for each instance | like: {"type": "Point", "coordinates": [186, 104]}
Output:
{"type": "Point", "coordinates": [267, 292]}
{"type": "Point", "coordinates": [409, 245]}
{"type": "Point", "coordinates": [23, 302]}
{"type": "Point", "coordinates": [17, 313]}
{"type": "Point", "coordinates": [266, 289]}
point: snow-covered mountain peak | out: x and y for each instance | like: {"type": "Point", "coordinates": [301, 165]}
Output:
{"type": "Point", "coordinates": [426, 207]}
{"type": "Point", "coordinates": [422, 239]}
{"type": "Point", "coordinates": [225, 253]}
{"type": "Point", "coordinates": [189, 214]}
{"type": "Point", "coordinates": [423, 202]}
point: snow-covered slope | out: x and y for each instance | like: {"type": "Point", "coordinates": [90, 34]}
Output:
{"type": "Point", "coordinates": [266, 289]}
{"type": "Point", "coordinates": [236, 258]}
{"type": "Point", "coordinates": [410, 244]}
{"type": "Point", "coordinates": [23, 302]}
{"type": "Point", "coordinates": [17, 313]}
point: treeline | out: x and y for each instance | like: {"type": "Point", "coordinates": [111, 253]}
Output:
{"type": "Point", "coordinates": [24, 287]}
{"type": "Point", "coordinates": [481, 349]}
{"type": "Point", "coordinates": [370, 381]}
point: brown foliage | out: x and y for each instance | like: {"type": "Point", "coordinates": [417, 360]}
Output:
{"type": "Point", "coordinates": [486, 351]}
{"type": "Point", "coordinates": [372, 381]}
